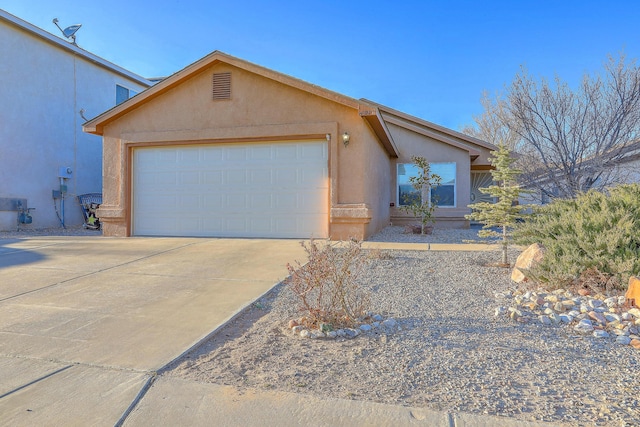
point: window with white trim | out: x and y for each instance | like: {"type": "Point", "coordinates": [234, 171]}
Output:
{"type": "Point", "coordinates": [443, 195]}
{"type": "Point", "coordinates": [123, 93]}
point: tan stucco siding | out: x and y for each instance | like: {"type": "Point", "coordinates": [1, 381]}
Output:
{"type": "Point", "coordinates": [255, 100]}
{"type": "Point", "coordinates": [377, 179]}
{"type": "Point", "coordinates": [260, 109]}
{"type": "Point", "coordinates": [413, 144]}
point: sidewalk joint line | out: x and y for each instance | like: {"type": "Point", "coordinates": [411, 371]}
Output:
{"type": "Point", "coordinates": [37, 380]}
{"type": "Point", "coordinates": [143, 391]}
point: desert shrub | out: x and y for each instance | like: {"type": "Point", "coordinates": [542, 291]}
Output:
{"type": "Point", "coordinates": [594, 232]}
{"type": "Point", "coordinates": [326, 286]}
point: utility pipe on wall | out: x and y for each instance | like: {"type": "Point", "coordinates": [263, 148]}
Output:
{"type": "Point", "coordinates": [62, 191]}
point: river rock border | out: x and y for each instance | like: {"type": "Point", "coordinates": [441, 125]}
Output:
{"type": "Point", "coordinates": [599, 316]}
{"type": "Point", "coordinates": [372, 323]}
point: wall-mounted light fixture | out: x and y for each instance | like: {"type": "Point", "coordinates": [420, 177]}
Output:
{"type": "Point", "coordinates": [346, 138]}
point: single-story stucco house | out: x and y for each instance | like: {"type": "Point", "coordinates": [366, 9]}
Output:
{"type": "Point", "coordinates": [228, 148]}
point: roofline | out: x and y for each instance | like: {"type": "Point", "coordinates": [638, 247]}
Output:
{"type": "Point", "coordinates": [371, 114]}
{"type": "Point", "coordinates": [421, 122]}
{"type": "Point", "coordinates": [96, 124]}
{"type": "Point", "coordinates": [66, 46]}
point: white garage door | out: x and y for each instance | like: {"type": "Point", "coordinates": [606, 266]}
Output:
{"type": "Point", "coordinates": [277, 189]}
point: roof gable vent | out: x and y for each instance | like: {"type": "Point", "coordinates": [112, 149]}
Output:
{"type": "Point", "coordinates": [221, 86]}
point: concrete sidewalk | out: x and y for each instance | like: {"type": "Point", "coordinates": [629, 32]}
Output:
{"type": "Point", "coordinates": [173, 401]}
{"type": "Point", "coordinates": [87, 322]}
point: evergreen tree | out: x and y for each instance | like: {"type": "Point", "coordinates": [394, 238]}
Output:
{"type": "Point", "coordinates": [506, 211]}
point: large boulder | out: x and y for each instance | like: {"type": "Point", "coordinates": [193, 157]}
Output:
{"type": "Point", "coordinates": [527, 259]}
{"type": "Point", "coordinates": [632, 296]}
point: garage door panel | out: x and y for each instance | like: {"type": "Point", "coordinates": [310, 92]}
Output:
{"type": "Point", "coordinates": [261, 225]}
{"type": "Point", "coordinates": [188, 158]}
{"type": "Point", "coordinates": [213, 178]}
{"type": "Point", "coordinates": [236, 154]}
{"type": "Point", "coordinates": [189, 178]}
{"type": "Point", "coordinates": [261, 201]}
{"type": "Point", "coordinates": [260, 177]}
{"type": "Point", "coordinates": [286, 152]}
{"type": "Point", "coordinates": [165, 157]}
{"type": "Point", "coordinates": [312, 205]}
{"type": "Point", "coordinates": [286, 202]}
{"type": "Point", "coordinates": [236, 178]}
{"type": "Point", "coordinates": [286, 177]}
{"type": "Point", "coordinates": [212, 202]}
{"type": "Point", "coordinates": [260, 153]}
{"type": "Point", "coordinates": [212, 155]}
{"type": "Point", "coordinates": [190, 201]}
{"type": "Point", "coordinates": [311, 152]}
{"type": "Point", "coordinates": [212, 226]}
{"type": "Point", "coordinates": [312, 177]}
{"type": "Point", "coordinates": [253, 190]}
{"type": "Point", "coordinates": [153, 222]}
{"type": "Point", "coordinates": [235, 203]}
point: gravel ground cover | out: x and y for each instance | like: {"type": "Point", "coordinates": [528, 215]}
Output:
{"type": "Point", "coordinates": [440, 235]}
{"type": "Point", "coordinates": [448, 352]}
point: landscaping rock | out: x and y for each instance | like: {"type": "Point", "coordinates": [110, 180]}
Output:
{"type": "Point", "coordinates": [527, 259]}
{"type": "Point", "coordinates": [351, 333]}
{"type": "Point", "coordinates": [584, 292]}
{"type": "Point", "coordinates": [598, 315]}
{"type": "Point", "coordinates": [632, 296]}
{"type": "Point", "coordinates": [584, 326]}
{"type": "Point", "coordinates": [390, 323]}
{"type": "Point", "coordinates": [502, 310]}
{"type": "Point", "coordinates": [544, 320]}
{"type": "Point", "coordinates": [622, 339]}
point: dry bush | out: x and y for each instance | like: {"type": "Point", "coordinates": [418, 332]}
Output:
{"type": "Point", "coordinates": [597, 282]}
{"type": "Point", "coordinates": [326, 286]}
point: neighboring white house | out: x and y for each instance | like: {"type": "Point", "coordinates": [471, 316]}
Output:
{"type": "Point", "coordinates": [624, 168]}
{"type": "Point", "coordinates": [48, 88]}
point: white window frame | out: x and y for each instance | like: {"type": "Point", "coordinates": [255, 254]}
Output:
{"type": "Point", "coordinates": [455, 183]}
{"type": "Point", "coordinates": [130, 93]}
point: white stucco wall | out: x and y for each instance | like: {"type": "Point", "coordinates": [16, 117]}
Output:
{"type": "Point", "coordinates": [43, 87]}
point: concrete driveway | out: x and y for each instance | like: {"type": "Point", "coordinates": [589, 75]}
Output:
{"type": "Point", "coordinates": [86, 321]}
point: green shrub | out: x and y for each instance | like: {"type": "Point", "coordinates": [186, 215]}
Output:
{"type": "Point", "coordinates": [595, 231]}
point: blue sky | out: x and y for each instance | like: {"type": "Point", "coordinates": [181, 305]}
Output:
{"type": "Point", "coordinates": [432, 59]}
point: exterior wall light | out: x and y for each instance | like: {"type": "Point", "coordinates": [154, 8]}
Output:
{"type": "Point", "coordinates": [345, 139]}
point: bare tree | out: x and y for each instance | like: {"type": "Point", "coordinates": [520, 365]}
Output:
{"type": "Point", "coordinates": [570, 141]}
{"type": "Point", "coordinates": [491, 125]}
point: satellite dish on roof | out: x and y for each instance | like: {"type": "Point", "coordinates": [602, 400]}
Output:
{"type": "Point", "coordinates": [69, 32]}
